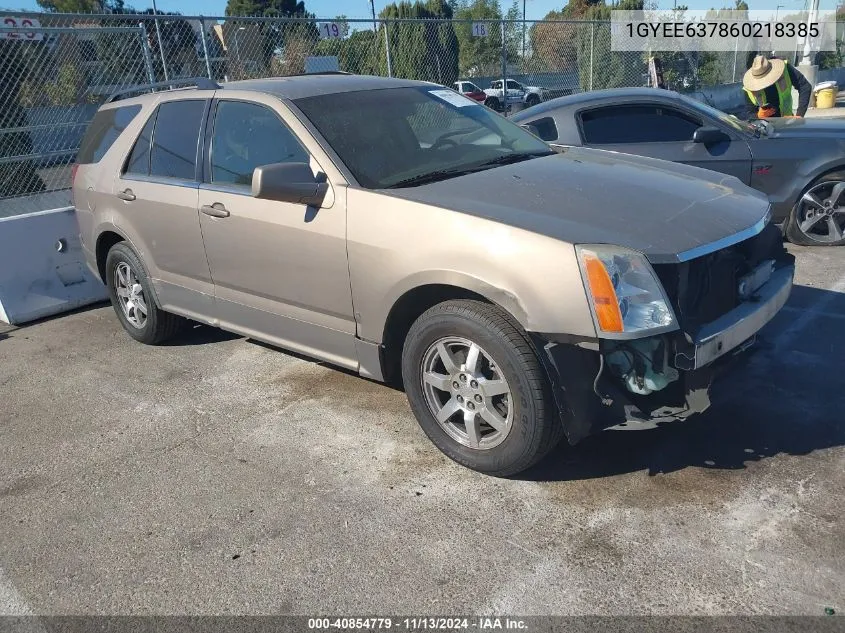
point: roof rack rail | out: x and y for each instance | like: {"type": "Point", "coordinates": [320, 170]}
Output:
{"type": "Point", "coordinates": [200, 82]}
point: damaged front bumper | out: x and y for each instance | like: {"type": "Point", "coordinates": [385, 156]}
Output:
{"type": "Point", "coordinates": [592, 394]}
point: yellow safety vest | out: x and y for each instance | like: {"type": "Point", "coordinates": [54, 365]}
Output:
{"type": "Point", "coordinates": [784, 86]}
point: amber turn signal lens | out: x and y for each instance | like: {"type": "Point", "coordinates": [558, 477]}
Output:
{"type": "Point", "coordinates": [604, 296]}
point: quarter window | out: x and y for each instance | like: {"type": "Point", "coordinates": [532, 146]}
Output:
{"type": "Point", "coordinates": [174, 148]}
{"type": "Point", "coordinates": [246, 136]}
{"type": "Point", "coordinates": [636, 124]}
{"type": "Point", "coordinates": [103, 131]}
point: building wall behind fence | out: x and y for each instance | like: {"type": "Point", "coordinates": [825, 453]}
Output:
{"type": "Point", "coordinates": [52, 84]}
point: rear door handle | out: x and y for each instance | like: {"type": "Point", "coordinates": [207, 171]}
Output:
{"type": "Point", "coordinates": [216, 210]}
{"type": "Point", "coordinates": [126, 194]}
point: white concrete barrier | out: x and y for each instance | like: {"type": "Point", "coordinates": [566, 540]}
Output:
{"type": "Point", "coordinates": [42, 270]}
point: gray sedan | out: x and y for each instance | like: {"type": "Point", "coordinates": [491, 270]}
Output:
{"type": "Point", "coordinates": [798, 163]}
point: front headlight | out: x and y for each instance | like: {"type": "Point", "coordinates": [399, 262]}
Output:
{"type": "Point", "coordinates": [626, 297]}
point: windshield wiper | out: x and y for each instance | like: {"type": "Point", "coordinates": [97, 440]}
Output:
{"type": "Point", "coordinates": [432, 176]}
{"type": "Point", "coordinates": [516, 157]}
{"type": "Point", "coordinates": [445, 174]}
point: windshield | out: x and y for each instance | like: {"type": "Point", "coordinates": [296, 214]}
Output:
{"type": "Point", "coordinates": [724, 117]}
{"type": "Point", "coordinates": [405, 136]}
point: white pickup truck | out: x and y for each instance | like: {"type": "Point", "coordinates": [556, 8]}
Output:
{"type": "Point", "coordinates": [517, 93]}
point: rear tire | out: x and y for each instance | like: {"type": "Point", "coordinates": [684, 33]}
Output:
{"type": "Point", "coordinates": [133, 301]}
{"type": "Point", "coordinates": [532, 100]}
{"type": "Point", "coordinates": [819, 223]}
{"type": "Point", "coordinates": [501, 382]}
{"type": "Point", "coordinates": [492, 103]}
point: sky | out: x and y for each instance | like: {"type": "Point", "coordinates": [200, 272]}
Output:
{"type": "Point", "coordinates": [535, 9]}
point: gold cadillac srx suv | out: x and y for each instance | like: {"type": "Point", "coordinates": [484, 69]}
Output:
{"type": "Point", "coordinates": [403, 231]}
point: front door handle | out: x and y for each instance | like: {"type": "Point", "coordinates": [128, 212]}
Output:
{"type": "Point", "coordinates": [126, 194]}
{"type": "Point", "coordinates": [216, 210]}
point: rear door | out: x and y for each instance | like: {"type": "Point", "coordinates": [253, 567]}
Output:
{"type": "Point", "coordinates": [280, 269]}
{"type": "Point", "coordinates": [157, 191]}
{"type": "Point", "coordinates": [665, 132]}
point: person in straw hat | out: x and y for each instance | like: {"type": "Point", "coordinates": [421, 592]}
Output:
{"type": "Point", "coordinates": [768, 87]}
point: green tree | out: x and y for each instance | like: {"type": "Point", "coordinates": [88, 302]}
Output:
{"type": "Point", "coordinates": [478, 55]}
{"type": "Point", "coordinates": [600, 67]}
{"type": "Point", "coordinates": [554, 44]}
{"type": "Point", "coordinates": [357, 53]}
{"type": "Point", "coordinates": [427, 50]}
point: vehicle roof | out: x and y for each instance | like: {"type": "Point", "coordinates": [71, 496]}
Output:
{"type": "Point", "coordinates": [299, 86]}
{"type": "Point", "coordinates": [609, 94]}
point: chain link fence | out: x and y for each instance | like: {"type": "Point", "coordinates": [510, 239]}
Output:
{"type": "Point", "coordinates": [55, 69]}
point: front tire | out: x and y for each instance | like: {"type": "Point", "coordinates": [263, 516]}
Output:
{"type": "Point", "coordinates": [818, 218]}
{"type": "Point", "coordinates": [477, 388]}
{"type": "Point", "coordinates": [133, 301]}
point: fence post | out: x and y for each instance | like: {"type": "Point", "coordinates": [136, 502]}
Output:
{"type": "Point", "coordinates": [736, 53]}
{"type": "Point", "coordinates": [205, 48]}
{"type": "Point", "coordinates": [387, 50]}
{"type": "Point", "coordinates": [504, 70]}
{"type": "Point", "coordinates": [145, 47]}
{"type": "Point", "coordinates": [161, 51]}
{"type": "Point", "coordinates": [592, 47]}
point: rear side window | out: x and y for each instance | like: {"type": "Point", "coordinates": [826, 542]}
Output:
{"type": "Point", "coordinates": [546, 128]}
{"type": "Point", "coordinates": [139, 158]}
{"type": "Point", "coordinates": [103, 131]}
{"type": "Point", "coordinates": [175, 140]}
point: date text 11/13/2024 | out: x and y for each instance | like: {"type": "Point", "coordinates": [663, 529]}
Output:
{"type": "Point", "coordinates": [417, 623]}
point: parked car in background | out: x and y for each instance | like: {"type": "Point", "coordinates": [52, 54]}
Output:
{"type": "Point", "coordinates": [516, 93]}
{"type": "Point", "coordinates": [798, 163]}
{"type": "Point", "coordinates": [404, 232]}
{"type": "Point", "coordinates": [469, 89]}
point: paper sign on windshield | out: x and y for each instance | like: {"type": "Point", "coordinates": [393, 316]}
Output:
{"type": "Point", "coordinates": [453, 97]}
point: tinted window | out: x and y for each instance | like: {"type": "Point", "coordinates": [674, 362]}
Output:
{"type": "Point", "coordinates": [512, 85]}
{"type": "Point", "coordinates": [636, 124]}
{"type": "Point", "coordinates": [246, 136]}
{"type": "Point", "coordinates": [139, 158]}
{"type": "Point", "coordinates": [390, 137]}
{"type": "Point", "coordinates": [472, 87]}
{"type": "Point", "coordinates": [546, 128]}
{"type": "Point", "coordinates": [174, 151]}
{"type": "Point", "coordinates": [104, 131]}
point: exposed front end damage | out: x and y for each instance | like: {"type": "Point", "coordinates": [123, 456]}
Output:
{"type": "Point", "coordinates": [721, 300]}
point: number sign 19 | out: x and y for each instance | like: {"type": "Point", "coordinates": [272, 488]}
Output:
{"type": "Point", "coordinates": [330, 30]}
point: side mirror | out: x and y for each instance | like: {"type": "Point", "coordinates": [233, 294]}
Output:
{"type": "Point", "coordinates": [288, 182]}
{"type": "Point", "coordinates": [708, 135]}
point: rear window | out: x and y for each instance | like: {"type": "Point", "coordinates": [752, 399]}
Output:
{"type": "Point", "coordinates": [546, 128]}
{"type": "Point", "coordinates": [103, 131]}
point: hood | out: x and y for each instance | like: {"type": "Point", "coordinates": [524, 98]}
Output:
{"type": "Point", "coordinates": [661, 209]}
{"type": "Point", "coordinates": [807, 128]}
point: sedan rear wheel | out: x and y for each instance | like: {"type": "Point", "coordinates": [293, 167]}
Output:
{"type": "Point", "coordinates": [818, 218]}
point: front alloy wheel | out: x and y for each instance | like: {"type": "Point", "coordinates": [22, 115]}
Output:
{"type": "Point", "coordinates": [466, 393]}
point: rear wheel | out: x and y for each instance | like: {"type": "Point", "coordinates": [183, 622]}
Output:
{"type": "Point", "coordinates": [492, 103]}
{"type": "Point", "coordinates": [477, 388]}
{"type": "Point", "coordinates": [818, 219]}
{"type": "Point", "coordinates": [532, 100]}
{"type": "Point", "coordinates": [133, 301]}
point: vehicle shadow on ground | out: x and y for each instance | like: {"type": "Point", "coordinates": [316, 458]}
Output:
{"type": "Point", "coordinates": [200, 334]}
{"type": "Point", "coordinates": [787, 399]}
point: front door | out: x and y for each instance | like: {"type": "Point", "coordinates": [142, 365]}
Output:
{"type": "Point", "coordinates": [664, 132]}
{"type": "Point", "coordinates": [279, 269]}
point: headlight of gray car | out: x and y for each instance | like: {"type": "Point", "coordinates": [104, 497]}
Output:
{"type": "Point", "coordinates": [626, 297]}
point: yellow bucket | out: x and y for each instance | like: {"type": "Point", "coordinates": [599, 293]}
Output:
{"type": "Point", "coordinates": [826, 95]}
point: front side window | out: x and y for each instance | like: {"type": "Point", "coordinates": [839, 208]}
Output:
{"type": "Point", "coordinates": [512, 85]}
{"type": "Point", "coordinates": [402, 136]}
{"type": "Point", "coordinates": [636, 124]}
{"type": "Point", "coordinates": [496, 85]}
{"type": "Point", "coordinates": [246, 136]}
{"type": "Point", "coordinates": [174, 147]}
{"type": "Point", "coordinates": [472, 87]}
